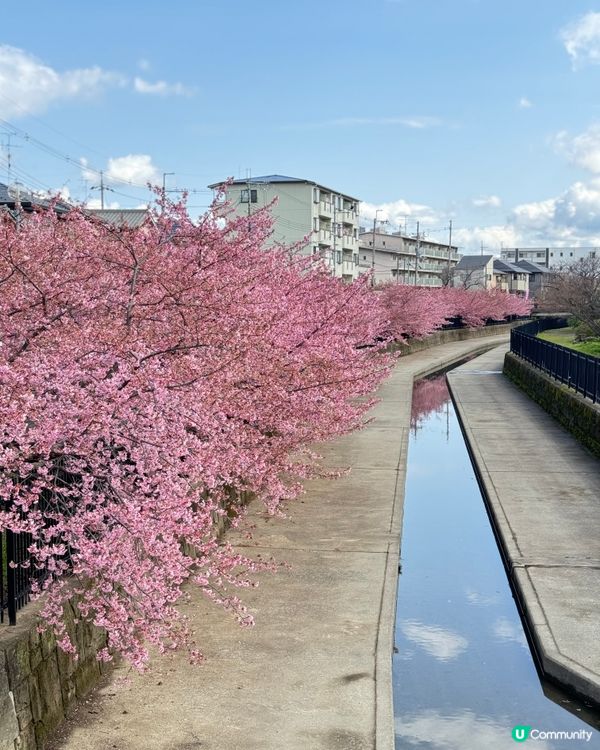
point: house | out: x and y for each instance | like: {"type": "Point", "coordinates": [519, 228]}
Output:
{"type": "Point", "coordinates": [474, 272]}
{"type": "Point", "coordinates": [304, 208]}
{"type": "Point", "coordinates": [517, 277]}
{"type": "Point", "coordinates": [550, 257]}
{"type": "Point", "coordinates": [121, 218]}
{"type": "Point", "coordinates": [405, 259]}
{"type": "Point", "coordinates": [17, 201]}
{"type": "Point", "coordinates": [539, 276]}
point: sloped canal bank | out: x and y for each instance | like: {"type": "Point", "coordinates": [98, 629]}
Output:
{"type": "Point", "coordinates": [464, 676]}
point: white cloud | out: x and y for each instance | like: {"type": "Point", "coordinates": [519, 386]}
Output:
{"type": "Point", "coordinates": [582, 40]}
{"type": "Point", "coordinates": [487, 201]}
{"type": "Point", "coordinates": [493, 238]}
{"type": "Point", "coordinates": [395, 212]}
{"type": "Point", "coordinates": [457, 731]}
{"type": "Point", "coordinates": [97, 203]}
{"type": "Point", "coordinates": [136, 168]}
{"type": "Point", "coordinates": [29, 86]}
{"type": "Point", "coordinates": [525, 103]}
{"type": "Point", "coordinates": [505, 630]}
{"type": "Point", "coordinates": [87, 174]}
{"type": "Point", "coordinates": [443, 645]}
{"type": "Point", "coordinates": [161, 88]}
{"type": "Point", "coordinates": [144, 64]}
{"type": "Point", "coordinates": [583, 149]}
{"type": "Point", "coordinates": [535, 215]}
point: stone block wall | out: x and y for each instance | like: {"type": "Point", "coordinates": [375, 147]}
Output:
{"type": "Point", "coordinates": [38, 682]}
{"type": "Point", "coordinates": [574, 412]}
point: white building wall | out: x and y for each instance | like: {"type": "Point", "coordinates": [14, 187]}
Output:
{"type": "Point", "coordinates": [308, 213]}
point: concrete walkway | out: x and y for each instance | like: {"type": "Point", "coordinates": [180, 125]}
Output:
{"type": "Point", "coordinates": [315, 672]}
{"type": "Point", "coordinates": [543, 490]}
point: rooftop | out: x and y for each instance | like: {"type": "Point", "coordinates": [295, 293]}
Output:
{"type": "Point", "coordinates": [274, 179]}
{"type": "Point", "coordinates": [471, 262]}
{"type": "Point", "coordinates": [131, 218]}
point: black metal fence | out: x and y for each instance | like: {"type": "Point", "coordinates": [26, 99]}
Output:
{"type": "Point", "coordinates": [578, 371]}
{"type": "Point", "coordinates": [16, 580]}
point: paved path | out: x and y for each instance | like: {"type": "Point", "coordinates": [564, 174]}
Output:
{"type": "Point", "coordinates": [315, 672]}
{"type": "Point", "coordinates": [544, 493]}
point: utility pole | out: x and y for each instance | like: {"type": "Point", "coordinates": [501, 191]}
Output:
{"type": "Point", "coordinates": [101, 187]}
{"type": "Point", "coordinates": [373, 249]}
{"type": "Point", "coordinates": [417, 255]}
{"type": "Point", "coordinates": [449, 248]}
{"type": "Point", "coordinates": [334, 199]}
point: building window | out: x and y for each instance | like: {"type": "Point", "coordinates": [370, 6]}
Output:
{"type": "Point", "coordinates": [552, 255]}
{"type": "Point", "coordinates": [515, 276]}
{"type": "Point", "coordinates": [316, 195]}
{"type": "Point", "coordinates": [251, 194]}
{"type": "Point", "coordinates": [316, 223]}
{"type": "Point", "coordinates": [364, 257]}
{"type": "Point", "coordinates": [370, 243]}
{"type": "Point", "coordinates": [338, 256]}
{"type": "Point", "coordinates": [355, 259]}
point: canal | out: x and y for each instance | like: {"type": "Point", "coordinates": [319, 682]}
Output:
{"type": "Point", "coordinates": [464, 675]}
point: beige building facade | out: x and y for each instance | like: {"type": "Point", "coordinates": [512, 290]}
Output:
{"type": "Point", "coordinates": [327, 218]}
{"type": "Point", "coordinates": [406, 259]}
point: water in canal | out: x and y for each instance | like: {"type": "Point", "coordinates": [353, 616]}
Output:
{"type": "Point", "coordinates": [464, 676]}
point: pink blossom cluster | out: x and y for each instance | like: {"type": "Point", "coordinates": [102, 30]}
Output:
{"type": "Point", "coordinates": [145, 377]}
{"type": "Point", "coordinates": [416, 312]}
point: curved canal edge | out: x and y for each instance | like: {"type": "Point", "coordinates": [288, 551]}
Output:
{"type": "Point", "coordinates": [395, 391]}
{"type": "Point", "coordinates": [542, 491]}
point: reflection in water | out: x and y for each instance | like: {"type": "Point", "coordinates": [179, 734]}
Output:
{"type": "Point", "coordinates": [437, 642]}
{"type": "Point", "coordinates": [430, 396]}
{"type": "Point", "coordinates": [460, 731]}
{"type": "Point", "coordinates": [463, 672]}
{"type": "Point", "coordinates": [506, 630]}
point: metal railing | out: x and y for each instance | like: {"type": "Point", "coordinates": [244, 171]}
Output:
{"type": "Point", "coordinates": [15, 580]}
{"type": "Point", "coordinates": [576, 370]}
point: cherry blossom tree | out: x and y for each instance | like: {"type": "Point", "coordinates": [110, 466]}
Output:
{"type": "Point", "coordinates": [148, 379]}
{"type": "Point", "coordinates": [416, 312]}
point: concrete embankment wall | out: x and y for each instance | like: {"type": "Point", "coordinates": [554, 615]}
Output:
{"type": "Point", "coordinates": [455, 334]}
{"type": "Point", "coordinates": [574, 412]}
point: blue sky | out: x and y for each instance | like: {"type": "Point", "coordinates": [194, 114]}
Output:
{"type": "Point", "coordinates": [483, 111]}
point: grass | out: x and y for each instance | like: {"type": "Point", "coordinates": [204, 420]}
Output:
{"type": "Point", "coordinates": [566, 337]}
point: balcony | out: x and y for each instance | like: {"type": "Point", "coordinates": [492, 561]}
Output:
{"type": "Point", "coordinates": [325, 208]}
{"type": "Point", "coordinates": [325, 236]}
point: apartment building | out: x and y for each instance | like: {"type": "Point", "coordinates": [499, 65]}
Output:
{"type": "Point", "coordinates": [551, 257]}
{"type": "Point", "coordinates": [304, 208]}
{"type": "Point", "coordinates": [405, 259]}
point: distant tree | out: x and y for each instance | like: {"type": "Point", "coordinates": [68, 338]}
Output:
{"type": "Point", "coordinates": [576, 290]}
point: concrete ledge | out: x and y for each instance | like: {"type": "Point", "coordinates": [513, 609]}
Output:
{"type": "Point", "coordinates": [541, 489]}
{"type": "Point", "coordinates": [576, 413]}
{"type": "Point", "coordinates": [449, 335]}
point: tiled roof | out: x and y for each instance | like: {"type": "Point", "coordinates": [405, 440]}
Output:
{"type": "Point", "coordinates": [505, 267]}
{"type": "Point", "coordinates": [132, 218]}
{"type": "Point", "coordinates": [471, 262]}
